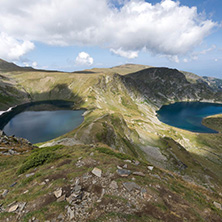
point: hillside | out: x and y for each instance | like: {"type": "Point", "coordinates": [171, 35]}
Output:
{"type": "Point", "coordinates": [120, 124]}
{"type": "Point", "coordinates": [9, 67]}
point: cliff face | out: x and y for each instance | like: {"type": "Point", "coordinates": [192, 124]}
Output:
{"type": "Point", "coordinates": [164, 85]}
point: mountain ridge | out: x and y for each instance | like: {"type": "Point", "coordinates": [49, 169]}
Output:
{"type": "Point", "coordinates": [120, 125]}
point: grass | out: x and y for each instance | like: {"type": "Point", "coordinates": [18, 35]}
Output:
{"type": "Point", "coordinates": [39, 157]}
{"type": "Point", "coordinates": [118, 155]}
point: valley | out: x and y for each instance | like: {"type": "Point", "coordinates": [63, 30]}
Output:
{"type": "Point", "coordinates": [120, 127]}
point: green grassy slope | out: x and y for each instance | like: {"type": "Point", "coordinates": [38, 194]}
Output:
{"type": "Point", "coordinates": [160, 195]}
{"type": "Point", "coordinates": [121, 114]}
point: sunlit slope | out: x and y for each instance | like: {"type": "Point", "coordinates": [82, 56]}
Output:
{"type": "Point", "coordinates": [122, 114]}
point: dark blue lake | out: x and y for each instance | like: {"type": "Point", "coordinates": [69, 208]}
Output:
{"type": "Point", "coordinates": [40, 126]}
{"type": "Point", "coordinates": [188, 115]}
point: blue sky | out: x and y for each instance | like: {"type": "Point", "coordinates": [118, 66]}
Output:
{"type": "Point", "coordinates": [73, 35]}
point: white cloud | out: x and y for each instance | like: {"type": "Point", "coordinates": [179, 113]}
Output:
{"type": "Point", "coordinates": [173, 58]}
{"type": "Point", "coordinates": [34, 64]}
{"type": "Point", "coordinates": [185, 60]}
{"type": "Point", "coordinates": [166, 28]}
{"type": "Point", "coordinates": [205, 51]}
{"type": "Point", "coordinates": [13, 49]}
{"type": "Point", "coordinates": [84, 59]}
{"type": "Point", "coordinates": [127, 54]}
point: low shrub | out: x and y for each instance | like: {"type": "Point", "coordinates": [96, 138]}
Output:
{"type": "Point", "coordinates": [108, 151]}
{"type": "Point", "coordinates": [37, 158]}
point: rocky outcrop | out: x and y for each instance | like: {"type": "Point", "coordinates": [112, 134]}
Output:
{"type": "Point", "coordinates": [11, 145]}
{"type": "Point", "coordinates": [164, 85]}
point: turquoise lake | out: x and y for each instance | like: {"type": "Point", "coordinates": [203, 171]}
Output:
{"type": "Point", "coordinates": [188, 115]}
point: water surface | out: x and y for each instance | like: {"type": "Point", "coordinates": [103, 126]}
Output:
{"type": "Point", "coordinates": [40, 126]}
{"type": "Point", "coordinates": [189, 115]}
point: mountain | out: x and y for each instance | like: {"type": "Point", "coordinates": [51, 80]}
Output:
{"type": "Point", "coordinates": [9, 67]}
{"type": "Point", "coordinates": [121, 163]}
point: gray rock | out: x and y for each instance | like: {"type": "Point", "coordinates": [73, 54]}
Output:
{"type": "Point", "coordinates": [58, 193]}
{"type": "Point", "coordinates": [70, 213]}
{"type": "Point", "coordinates": [12, 185]}
{"type": "Point", "coordinates": [217, 205]}
{"type": "Point", "coordinates": [131, 185]}
{"type": "Point", "coordinates": [77, 188]}
{"type": "Point", "coordinates": [97, 172]}
{"type": "Point", "coordinates": [61, 216]}
{"type": "Point", "coordinates": [125, 166]}
{"type": "Point", "coordinates": [29, 174]}
{"type": "Point", "coordinates": [127, 161]}
{"type": "Point", "coordinates": [62, 198]}
{"type": "Point", "coordinates": [123, 172]}
{"type": "Point", "coordinates": [113, 185]}
{"type": "Point", "coordinates": [13, 208]}
{"type": "Point", "coordinates": [150, 168]}
{"type": "Point", "coordinates": [2, 133]}
{"type": "Point", "coordinates": [22, 206]}
{"type": "Point", "coordinates": [4, 193]}
{"type": "Point", "coordinates": [139, 174]}
{"type": "Point", "coordinates": [136, 162]}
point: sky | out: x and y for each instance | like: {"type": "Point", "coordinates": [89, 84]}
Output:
{"type": "Point", "coordinates": [72, 35]}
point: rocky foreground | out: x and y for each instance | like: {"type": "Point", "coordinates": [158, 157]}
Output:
{"type": "Point", "coordinates": [10, 145]}
{"type": "Point", "coordinates": [95, 183]}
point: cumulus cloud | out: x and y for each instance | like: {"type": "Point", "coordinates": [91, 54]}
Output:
{"type": "Point", "coordinates": [165, 28]}
{"type": "Point", "coordinates": [84, 59]}
{"type": "Point", "coordinates": [127, 54]}
{"type": "Point", "coordinates": [11, 48]}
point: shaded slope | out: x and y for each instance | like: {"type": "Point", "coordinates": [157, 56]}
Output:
{"type": "Point", "coordinates": [163, 85]}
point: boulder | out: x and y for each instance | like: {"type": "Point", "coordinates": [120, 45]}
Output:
{"type": "Point", "coordinates": [123, 172]}
{"type": "Point", "coordinates": [139, 174]}
{"type": "Point", "coordinates": [217, 205]}
{"type": "Point", "coordinates": [150, 168]}
{"type": "Point", "coordinates": [97, 172]}
{"type": "Point", "coordinates": [131, 185]}
{"type": "Point", "coordinates": [58, 193]}
{"type": "Point", "coordinates": [113, 185]}
{"type": "Point", "coordinates": [13, 208]}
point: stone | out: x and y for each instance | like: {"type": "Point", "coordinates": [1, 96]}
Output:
{"type": "Point", "coordinates": [125, 166]}
{"type": "Point", "coordinates": [70, 213]}
{"type": "Point", "coordinates": [77, 188]}
{"type": "Point", "coordinates": [4, 193]}
{"type": "Point", "coordinates": [123, 172]}
{"type": "Point", "coordinates": [97, 172]}
{"type": "Point", "coordinates": [12, 185]}
{"type": "Point", "coordinates": [61, 216]}
{"type": "Point", "coordinates": [217, 205]}
{"type": "Point", "coordinates": [62, 198]}
{"type": "Point", "coordinates": [136, 162]}
{"type": "Point", "coordinates": [131, 185]}
{"type": "Point", "coordinates": [127, 161]}
{"type": "Point", "coordinates": [58, 193]}
{"type": "Point", "coordinates": [150, 168]}
{"type": "Point", "coordinates": [2, 133]}
{"type": "Point", "coordinates": [113, 185]}
{"type": "Point", "coordinates": [139, 174]}
{"type": "Point", "coordinates": [26, 191]}
{"type": "Point", "coordinates": [22, 206]}
{"type": "Point", "coordinates": [29, 174]}
{"type": "Point", "coordinates": [13, 208]}
{"type": "Point", "coordinates": [119, 167]}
